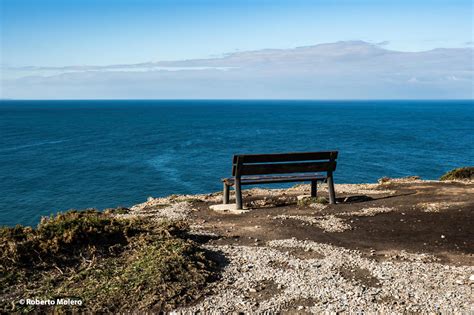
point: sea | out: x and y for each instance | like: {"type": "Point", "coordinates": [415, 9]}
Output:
{"type": "Point", "coordinates": [60, 155]}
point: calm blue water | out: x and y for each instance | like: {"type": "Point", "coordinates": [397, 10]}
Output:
{"type": "Point", "coordinates": [57, 155]}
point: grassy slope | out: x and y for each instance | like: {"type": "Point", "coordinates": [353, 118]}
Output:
{"type": "Point", "coordinates": [111, 264]}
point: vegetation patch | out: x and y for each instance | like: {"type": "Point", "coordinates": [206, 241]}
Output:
{"type": "Point", "coordinates": [463, 173]}
{"type": "Point", "coordinates": [110, 264]}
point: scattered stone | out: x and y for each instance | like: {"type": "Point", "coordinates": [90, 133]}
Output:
{"type": "Point", "coordinates": [413, 257]}
{"type": "Point", "coordinates": [363, 189]}
{"type": "Point", "coordinates": [318, 206]}
{"type": "Point", "coordinates": [333, 224]}
{"type": "Point", "coordinates": [370, 212]}
{"type": "Point", "coordinates": [156, 210]}
{"type": "Point", "coordinates": [329, 223]}
{"type": "Point", "coordinates": [437, 206]}
{"type": "Point", "coordinates": [407, 179]}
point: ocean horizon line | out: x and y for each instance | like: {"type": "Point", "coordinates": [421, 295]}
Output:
{"type": "Point", "coordinates": [246, 99]}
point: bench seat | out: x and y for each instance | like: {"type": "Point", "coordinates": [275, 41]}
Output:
{"type": "Point", "coordinates": [251, 169]}
{"type": "Point", "coordinates": [250, 180]}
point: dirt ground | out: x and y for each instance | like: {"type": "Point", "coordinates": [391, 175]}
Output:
{"type": "Point", "coordinates": [447, 232]}
{"type": "Point", "coordinates": [402, 245]}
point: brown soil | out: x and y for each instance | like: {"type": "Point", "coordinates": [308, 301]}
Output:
{"type": "Point", "coordinates": [446, 234]}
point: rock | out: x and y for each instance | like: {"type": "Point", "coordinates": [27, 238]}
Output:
{"type": "Point", "coordinates": [230, 208]}
{"type": "Point", "coordinates": [360, 198]}
{"type": "Point", "coordinates": [302, 197]}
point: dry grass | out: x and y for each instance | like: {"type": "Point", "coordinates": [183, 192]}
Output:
{"type": "Point", "coordinates": [111, 264]}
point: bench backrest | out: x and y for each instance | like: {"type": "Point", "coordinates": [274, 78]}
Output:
{"type": "Point", "coordinates": [284, 163]}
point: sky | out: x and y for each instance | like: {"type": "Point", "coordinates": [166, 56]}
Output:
{"type": "Point", "coordinates": [56, 45]}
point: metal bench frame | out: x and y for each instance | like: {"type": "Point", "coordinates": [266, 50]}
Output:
{"type": "Point", "coordinates": [251, 169]}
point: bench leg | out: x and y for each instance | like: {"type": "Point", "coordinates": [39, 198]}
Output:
{"type": "Point", "coordinates": [238, 194]}
{"type": "Point", "coordinates": [225, 195]}
{"type": "Point", "coordinates": [332, 193]}
{"type": "Point", "coordinates": [314, 188]}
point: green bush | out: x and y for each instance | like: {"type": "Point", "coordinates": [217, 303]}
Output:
{"type": "Point", "coordinates": [459, 173]}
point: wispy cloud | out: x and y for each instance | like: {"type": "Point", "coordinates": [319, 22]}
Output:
{"type": "Point", "coordinates": [339, 70]}
{"type": "Point", "coordinates": [384, 43]}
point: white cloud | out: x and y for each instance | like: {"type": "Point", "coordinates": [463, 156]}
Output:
{"type": "Point", "coordinates": [339, 70]}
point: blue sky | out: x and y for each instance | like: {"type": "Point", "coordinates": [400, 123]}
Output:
{"type": "Point", "coordinates": [45, 32]}
{"type": "Point", "coordinates": [58, 33]}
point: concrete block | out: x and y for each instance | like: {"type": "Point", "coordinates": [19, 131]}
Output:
{"type": "Point", "coordinates": [229, 208]}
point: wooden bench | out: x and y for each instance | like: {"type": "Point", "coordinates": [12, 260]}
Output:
{"type": "Point", "coordinates": [251, 169]}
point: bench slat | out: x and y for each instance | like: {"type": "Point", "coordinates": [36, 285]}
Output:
{"type": "Point", "coordinates": [249, 180]}
{"type": "Point", "coordinates": [305, 167]}
{"type": "Point", "coordinates": [286, 157]}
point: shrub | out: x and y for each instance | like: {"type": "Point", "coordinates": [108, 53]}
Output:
{"type": "Point", "coordinates": [459, 173]}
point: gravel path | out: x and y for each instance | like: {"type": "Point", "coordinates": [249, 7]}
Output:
{"type": "Point", "coordinates": [272, 278]}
